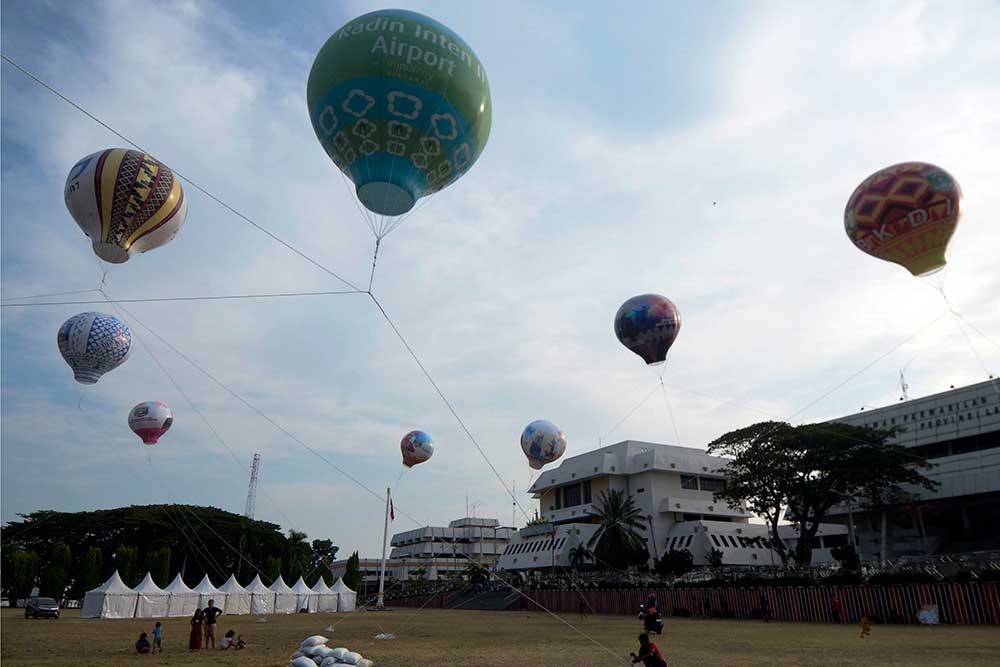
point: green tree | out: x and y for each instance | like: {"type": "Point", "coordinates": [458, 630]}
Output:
{"type": "Point", "coordinates": [847, 557]}
{"type": "Point", "coordinates": [271, 570]}
{"type": "Point", "coordinates": [579, 555]}
{"type": "Point", "coordinates": [323, 554]}
{"type": "Point", "coordinates": [675, 563]}
{"type": "Point", "coordinates": [352, 572]}
{"type": "Point", "coordinates": [297, 555]}
{"type": "Point", "coordinates": [127, 563]}
{"type": "Point", "coordinates": [55, 577]}
{"type": "Point", "coordinates": [158, 565]}
{"type": "Point", "coordinates": [20, 570]}
{"type": "Point", "coordinates": [535, 520]}
{"type": "Point", "coordinates": [809, 469]}
{"type": "Point", "coordinates": [714, 557]}
{"type": "Point", "coordinates": [618, 542]}
{"type": "Point", "coordinates": [89, 573]}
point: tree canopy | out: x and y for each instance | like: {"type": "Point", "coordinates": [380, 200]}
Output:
{"type": "Point", "coordinates": [81, 549]}
{"type": "Point", "coordinates": [618, 542]}
{"type": "Point", "coordinates": [806, 470]}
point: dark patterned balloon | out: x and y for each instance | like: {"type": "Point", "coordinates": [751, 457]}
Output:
{"type": "Point", "coordinates": [648, 324]}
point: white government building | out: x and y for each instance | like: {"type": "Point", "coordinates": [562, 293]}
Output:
{"type": "Point", "coordinates": [673, 489]}
{"type": "Point", "coordinates": [437, 552]}
{"type": "Point", "coordinates": [959, 432]}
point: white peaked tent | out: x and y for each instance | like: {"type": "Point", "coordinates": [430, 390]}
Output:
{"type": "Point", "coordinates": [285, 599]}
{"type": "Point", "coordinates": [307, 599]}
{"type": "Point", "coordinates": [206, 591]}
{"type": "Point", "coordinates": [346, 598]}
{"type": "Point", "coordinates": [182, 601]}
{"type": "Point", "coordinates": [326, 599]}
{"type": "Point", "coordinates": [261, 597]}
{"type": "Point", "coordinates": [112, 599]}
{"type": "Point", "coordinates": [152, 601]}
{"type": "Point", "coordinates": [237, 598]}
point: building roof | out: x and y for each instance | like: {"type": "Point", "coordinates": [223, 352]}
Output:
{"type": "Point", "coordinates": [628, 457]}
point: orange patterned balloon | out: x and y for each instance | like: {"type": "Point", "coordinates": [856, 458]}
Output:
{"type": "Point", "coordinates": [905, 214]}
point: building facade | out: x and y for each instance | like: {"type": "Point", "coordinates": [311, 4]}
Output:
{"type": "Point", "coordinates": [435, 553]}
{"type": "Point", "coordinates": [959, 432]}
{"type": "Point", "coordinates": [673, 488]}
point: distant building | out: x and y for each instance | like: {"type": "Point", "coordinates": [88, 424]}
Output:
{"type": "Point", "coordinates": [959, 432]}
{"type": "Point", "coordinates": [436, 552]}
{"type": "Point", "coordinates": [673, 488]}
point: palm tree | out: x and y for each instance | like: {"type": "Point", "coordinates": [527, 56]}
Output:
{"type": "Point", "coordinates": [618, 541]}
{"type": "Point", "coordinates": [579, 555]}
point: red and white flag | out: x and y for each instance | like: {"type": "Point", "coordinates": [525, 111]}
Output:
{"type": "Point", "coordinates": [392, 514]}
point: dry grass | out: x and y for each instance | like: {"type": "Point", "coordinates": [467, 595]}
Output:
{"type": "Point", "coordinates": [487, 639]}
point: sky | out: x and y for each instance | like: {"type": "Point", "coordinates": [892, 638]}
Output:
{"type": "Point", "coordinates": [701, 152]}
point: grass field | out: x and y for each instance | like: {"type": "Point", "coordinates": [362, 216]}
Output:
{"type": "Point", "coordinates": [488, 639]}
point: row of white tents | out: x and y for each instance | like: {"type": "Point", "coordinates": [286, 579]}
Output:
{"type": "Point", "coordinates": [114, 599]}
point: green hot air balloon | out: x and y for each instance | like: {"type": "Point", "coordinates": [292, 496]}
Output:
{"type": "Point", "coordinates": [401, 104]}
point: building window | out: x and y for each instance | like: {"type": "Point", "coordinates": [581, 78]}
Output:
{"type": "Point", "coordinates": [689, 482]}
{"type": "Point", "coordinates": [688, 542]}
{"type": "Point", "coordinates": [715, 540]}
{"type": "Point", "coordinates": [640, 490]}
{"type": "Point", "coordinates": [587, 499]}
{"type": "Point", "coordinates": [571, 495]}
{"type": "Point", "coordinates": [558, 498]}
{"type": "Point", "coordinates": [712, 484]}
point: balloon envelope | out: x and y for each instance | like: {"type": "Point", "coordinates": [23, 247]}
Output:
{"type": "Point", "coordinates": [93, 344]}
{"type": "Point", "coordinates": [416, 447]}
{"type": "Point", "coordinates": [542, 442]}
{"type": "Point", "coordinates": [905, 214]}
{"type": "Point", "coordinates": [150, 420]}
{"type": "Point", "coordinates": [402, 106]}
{"type": "Point", "coordinates": [648, 324]}
{"type": "Point", "coordinates": [125, 201]}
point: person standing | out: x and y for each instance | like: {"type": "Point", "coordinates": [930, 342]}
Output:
{"type": "Point", "coordinates": [211, 613]}
{"type": "Point", "coordinates": [836, 608]}
{"type": "Point", "coordinates": [197, 621]}
{"type": "Point", "coordinates": [158, 637]}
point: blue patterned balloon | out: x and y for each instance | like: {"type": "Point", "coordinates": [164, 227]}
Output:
{"type": "Point", "coordinates": [416, 447]}
{"type": "Point", "coordinates": [542, 442]}
{"type": "Point", "coordinates": [93, 344]}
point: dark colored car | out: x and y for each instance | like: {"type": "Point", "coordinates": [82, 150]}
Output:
{"type": "Point", "coordinates": [41, 607]}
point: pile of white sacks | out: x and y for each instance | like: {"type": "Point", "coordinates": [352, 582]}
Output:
{"type": "Point", "coordinates": [314, 652]}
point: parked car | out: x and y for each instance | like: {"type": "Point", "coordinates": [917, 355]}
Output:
{"type": "Point", "coordinates": [41, 607]}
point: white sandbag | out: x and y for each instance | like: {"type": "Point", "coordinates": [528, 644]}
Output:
{"type": "Point", "coordinates": [302, 661]}
{"type": "Point", "coordinates": [364, 662]}
{"type": "Point", "coordinates": [351, 658]}
{"type": "Point", "coordinates": [314, 640]}
{"type": "Point", "coordinates": [322, 651]}
{"type": "Point", "coordinates": [328, 662]}
{"type": "Point", "coordinates": [311, 650]}
{"type": "Point", "coordinates": [297, 654]}
{"type": "Point", "coordinates": [318, 660]}
{"type": "Point", "coordinates": [339, 653]}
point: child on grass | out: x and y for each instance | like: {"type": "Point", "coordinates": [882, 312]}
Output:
{"type": "Point", "coordinates": [142, 644]}
{"type": "Point", "coordinates": [866, 627]}
{"type": "Point", "coordinates": [649, 653]}
{"type": "Point", "coordinates": [158, 637]}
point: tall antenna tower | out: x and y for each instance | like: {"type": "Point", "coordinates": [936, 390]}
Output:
{"type": "Point", "coordinates": [903, 386]}
{"type": "Point", "coordinates": [252, 488]}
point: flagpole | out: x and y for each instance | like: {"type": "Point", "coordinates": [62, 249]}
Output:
{"type": "Point", "coordinates": [385, 537]}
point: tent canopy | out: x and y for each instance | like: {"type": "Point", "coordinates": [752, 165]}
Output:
{"type": "Point", "coordinates": [237, 598]}
{"type": "Point", "coordinates": [279, 586]}
{"type": "Point", "coordinates": [257, 586]}
{"type": "Point", "coordinates": [302, 588]}
{"type": "Point", "coordinates": [112, 599]}
{"type": "Point", "coordinates": [148, 586]}
{"type": "Point", "coordinates": [178, 585]}
{"type": "Point", "coordinates": [152, 601]}
{"type": "Point", "coordinates": [346, 598]}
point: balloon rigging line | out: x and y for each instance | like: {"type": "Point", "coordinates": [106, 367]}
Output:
{"type": "Point", "coordinates": [371, 278]}
{"type": "Point", "coordinates": [448, 404]}
{"type": "Point", "coordinates": [194, 407]}
{"type": "Point", "coordinates": [627, 415]}
{"type": "Point", "coordinates": [867, 366]}
{"type": "Point", "coordinates": [192, 183]}
{"type": "Point", "coordinates": [264, 415]}
{"type": "Point", "coordinates": [204, 297]}
{"type": "Point", "coordinates": [191, 546]}
{"type": "Point", "coordinates": [670, 411]}
{"type": "Point", "coordinates": [968, 339]}
{"type": "Point", "coordinates": [49, 295]}
{"type": "Point", "coordinates": [199, 541]}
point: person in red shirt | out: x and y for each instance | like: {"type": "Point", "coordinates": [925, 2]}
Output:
{"type": "Point", "coordinates": [836, 607]}
{"type": "Point", "coordinates": [649, 653]}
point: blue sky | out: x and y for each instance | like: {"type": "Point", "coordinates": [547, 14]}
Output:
{"type": "Point", "coordinates": [613, 134]}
